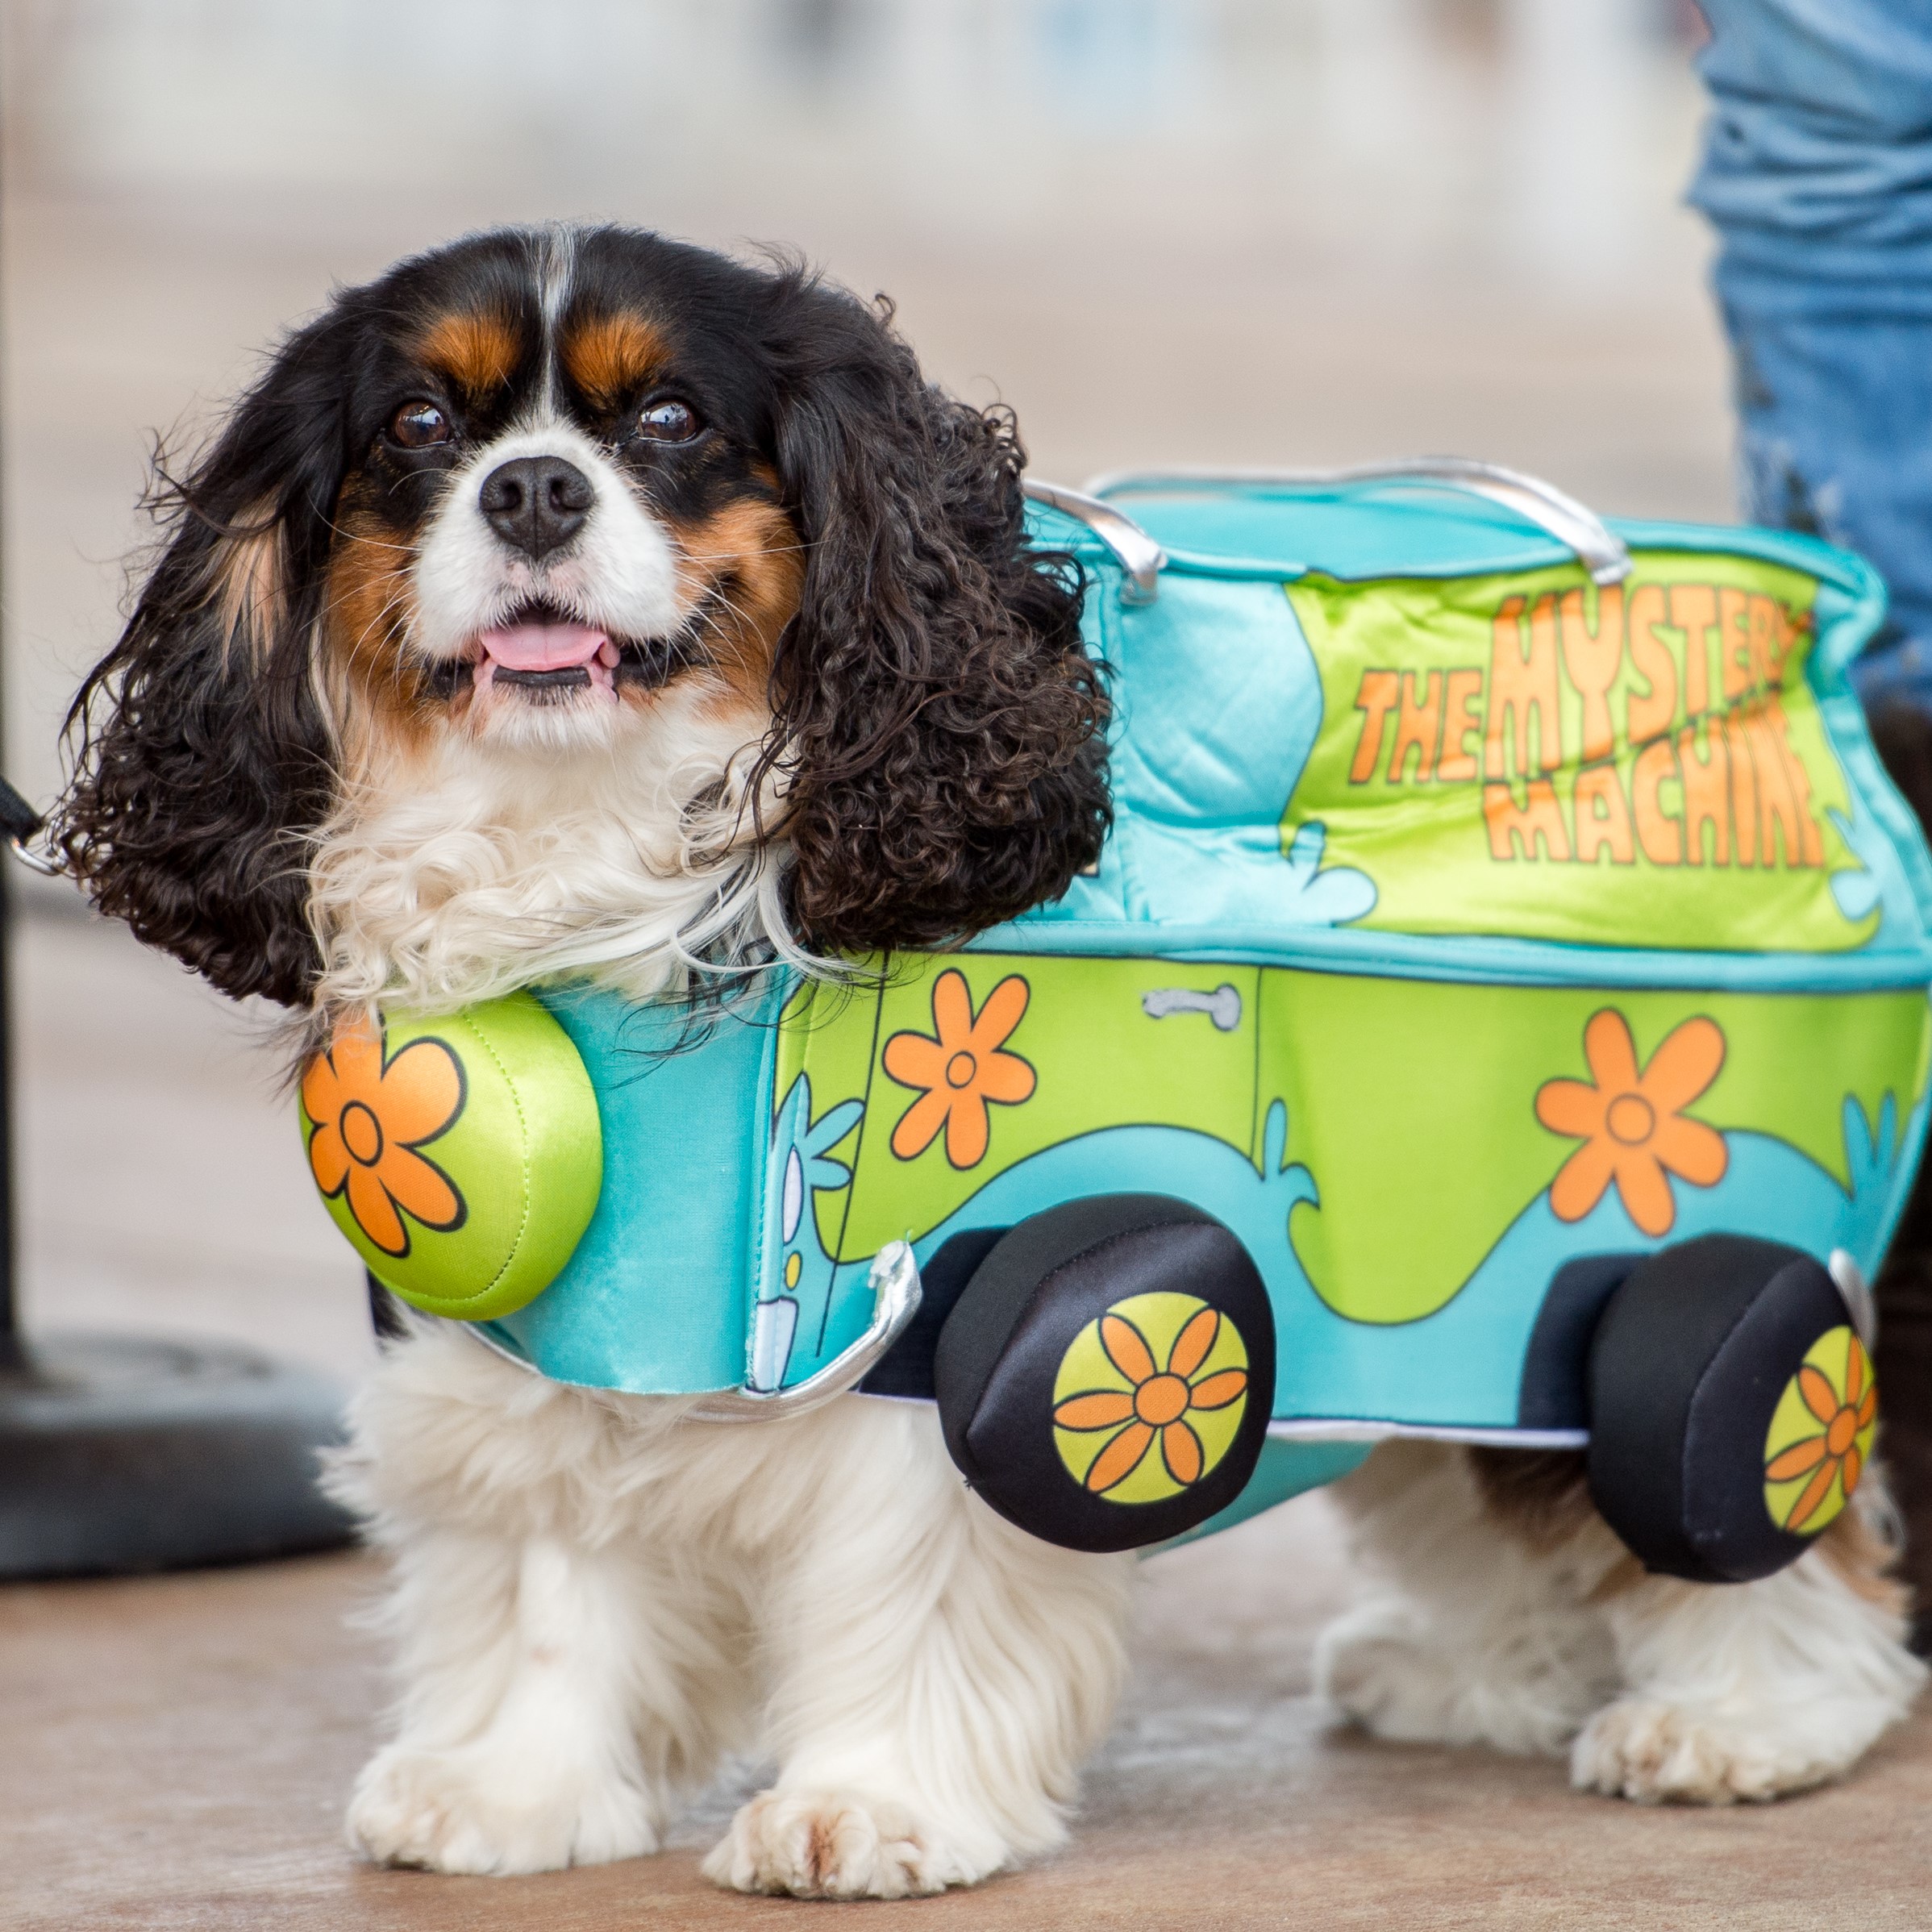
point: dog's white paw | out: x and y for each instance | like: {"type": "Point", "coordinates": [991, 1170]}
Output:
{"type": "Point", "coordinates": [470, 1810]}
{"type": "Point", "coordinates": [831, 1844]}
{"type": "Point", "coordinates": [1374, 1666]}
{"type": "Point", "coordinates": [1656, 1752]}
{"type": "Point", "coordinates": [1524, 1691]}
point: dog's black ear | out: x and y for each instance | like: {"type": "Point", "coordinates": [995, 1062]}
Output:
{"type": "Point", "coordinates": [939, 731]}
{"type": "Point", "coordinates": [201, 757]}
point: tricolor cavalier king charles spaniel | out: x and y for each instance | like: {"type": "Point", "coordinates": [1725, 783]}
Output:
{"type": "Point", "coordinates": [576, 602]}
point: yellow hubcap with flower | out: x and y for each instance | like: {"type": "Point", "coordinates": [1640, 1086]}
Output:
{"type": "Point", "coordinates": [1149, 1397]}
{"type": "Point", "coordinates": [1820, 1438]}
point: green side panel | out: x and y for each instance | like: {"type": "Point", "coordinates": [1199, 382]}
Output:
{"type": "Point", "coordinates": [523, 1153]}
{"type": "Point", "coordinates": [826, 1033]}
{"type": "Point", "coordinates": [1384, 1078]}
{"type": "Point", "coordinates": [1098, 1056]}
{"type": "Point", "coordinates": [1413, 1106]}
{"type": "Point", "coordinates": [1532, 756]}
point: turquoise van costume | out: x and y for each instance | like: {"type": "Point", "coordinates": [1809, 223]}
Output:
{"type": "Point", "coordinates": [1494, 901]}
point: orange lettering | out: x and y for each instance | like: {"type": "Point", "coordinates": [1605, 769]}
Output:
{"type": "Point", "coordinates": [1777, 810]}
{"type": "Point", "coordinates": [1794, 633]}
{"type": "Point", "coordinates": [1777, 725]}
{"type": "Point", "coordinates": [1374, 696]}
{"type": "Point", "coordinates": [1418, 726]}
{"type": "Point", "coordinates": [1652, 711]}
{"type": "Point", "coordinates": [1517, 682]}
{"type": "Point", "coordinates": [1734, 643]}
{"type": "Point", "coordinates": [1694, 612]}
{"type": "Point", "coordinates": [1539, 817]}
{"type": "Point", "coordinates": [1458, 761]}
{"type": "Point", "coordinates": [1705, 794]}
{"type": "Point", "coordinates": [1744, 792]}
{"type": "Point", "coordinates": [1605, 825]}
{"type": "Point", "coordinates": [1592, 658]}
{"type": "Point", "coordinates": [1660, 835]}
{"type": "Point", "coordinates": [1765, 624]}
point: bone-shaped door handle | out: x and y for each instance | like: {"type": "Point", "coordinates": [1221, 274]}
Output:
{"type": "Point", "coordinates": [1222, 1005]}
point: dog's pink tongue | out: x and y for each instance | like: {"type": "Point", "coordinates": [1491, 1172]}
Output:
{"type": "Point", "coordinates": [543, 647]}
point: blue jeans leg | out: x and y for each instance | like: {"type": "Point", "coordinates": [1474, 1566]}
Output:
{"type": "Point", "coordinates": [1817, 173]}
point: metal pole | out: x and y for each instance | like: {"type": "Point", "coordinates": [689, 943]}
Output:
{"type": "Point", "coordinates": [10, 1356]}
{"type": "Point", "coordinates": [120, 1453]}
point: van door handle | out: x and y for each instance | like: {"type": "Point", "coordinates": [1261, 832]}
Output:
{"type": "Point", "coordinates": [1222, 1005]}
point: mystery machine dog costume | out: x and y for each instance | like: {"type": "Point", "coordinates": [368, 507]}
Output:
{"type": "Point", "coordinates": [1505, 985]}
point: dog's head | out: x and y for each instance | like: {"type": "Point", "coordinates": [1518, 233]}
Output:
{"type": "Point", "coordinates": [553, 523]}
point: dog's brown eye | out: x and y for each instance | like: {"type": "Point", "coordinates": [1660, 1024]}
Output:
{"type": "Point", "coordinates": [669, 422]}
{"type": "Point", "coordinates": [418, 425]}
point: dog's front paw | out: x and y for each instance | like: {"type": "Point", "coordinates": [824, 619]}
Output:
{"type": "Point", "coordinates": [829, 1844]}
{"type": "Point", "coordinates": [1657, 1752]}
{"type": "Point", "coordinates": [473, 1810]}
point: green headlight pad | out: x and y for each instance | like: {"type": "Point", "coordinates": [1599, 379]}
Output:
{"type": "Point", "coordinates": [462, 1155]}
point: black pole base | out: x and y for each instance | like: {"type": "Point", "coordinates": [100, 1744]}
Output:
{"type": "Point", "coordinates": [120, 1453]}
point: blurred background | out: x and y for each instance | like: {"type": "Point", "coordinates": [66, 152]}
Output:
{"type": "Point", "coordinates": [1297, 232]}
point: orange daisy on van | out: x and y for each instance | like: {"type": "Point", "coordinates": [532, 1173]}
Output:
{"type": "Point", "coordinates": [1632, 1124]}
{"type": "Point", "coordinates": [371, 1115]}
{"type": "Point", "coordinates": [959, 1067]}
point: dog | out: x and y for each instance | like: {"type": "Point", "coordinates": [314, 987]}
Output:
{"type": "Point", "coordinates": [575, 602]}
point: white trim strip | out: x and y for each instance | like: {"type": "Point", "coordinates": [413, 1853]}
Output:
{"type": "Point", "coordinates": [1345, 1430]}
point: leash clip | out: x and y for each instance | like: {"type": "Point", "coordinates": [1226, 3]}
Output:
{"type": "Point", "coordinates": [19, 823]}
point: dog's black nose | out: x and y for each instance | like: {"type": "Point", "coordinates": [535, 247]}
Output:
{"type": "Point", "coordinates": [536, 503]}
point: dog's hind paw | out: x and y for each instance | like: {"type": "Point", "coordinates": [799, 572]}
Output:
{"type": "Point", "coordinates": [1657, 1753]}
{"type": "Point", "coordinates": [1373, 1666]}
{"type": "Point", "coordinates": [471, 1810]}
{"type": "Point", "coordinates": [828, 1844]}
{"type": "Point", "coordinates": [1523, 1691]}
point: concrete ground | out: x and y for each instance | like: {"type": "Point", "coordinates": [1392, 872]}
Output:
{"type": "Point", "coordinates": [178, 1751]}
{"type": "Point", "coordinates": [1340, 231]}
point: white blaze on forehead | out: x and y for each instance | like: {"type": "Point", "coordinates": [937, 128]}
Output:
{"type": "Point", "coordinates": [619, 574]}
{"type": "Point", "coordinates": [556, 257]}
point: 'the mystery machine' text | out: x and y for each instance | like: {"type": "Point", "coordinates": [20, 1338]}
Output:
{"type": "Point", "coordinates": [1650, 725]}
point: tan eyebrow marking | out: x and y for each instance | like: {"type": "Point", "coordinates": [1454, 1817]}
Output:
{"type": "Point", "coordinates": [478, 352]}
{"type": "Point", "coordinates": [609, 355]}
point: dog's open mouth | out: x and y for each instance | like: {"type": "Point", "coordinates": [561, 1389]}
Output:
{"type": "Point", "coordinates": [542, 652]}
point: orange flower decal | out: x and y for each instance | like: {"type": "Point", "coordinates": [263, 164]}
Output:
{"type": "Point", "coordinates": [371, 1115]}
{"type": "Point", "coordinates": [960, 1069]}
{"type": "Point", "coordinates": [1845, 1408]}
{"type": "Point", "coordinates": [1632, 1125]}
{"type": "Point", "coordinates": [1158, 1403]}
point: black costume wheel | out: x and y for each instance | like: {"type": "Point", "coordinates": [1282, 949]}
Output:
{"type": "Point", "coordinates": [1105, 1378]}
{"type": "Point", "coordinates": [1732, 1408]}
